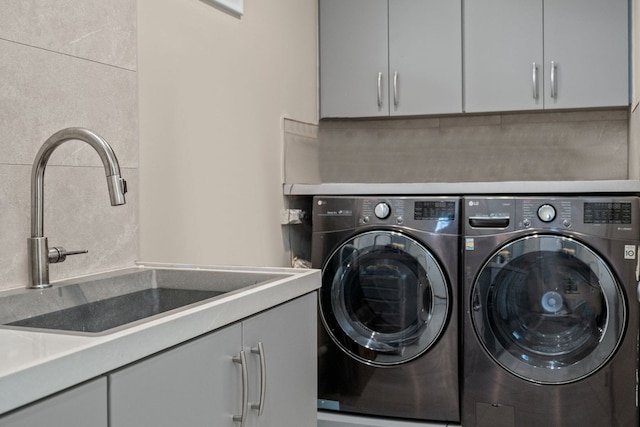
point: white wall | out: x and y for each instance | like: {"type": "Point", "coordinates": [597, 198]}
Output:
{"type": "Point", "coordinates": [213, 90]}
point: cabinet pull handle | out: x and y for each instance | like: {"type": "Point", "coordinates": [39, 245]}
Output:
{"type": "Point", "coordinates": [535, 81]}
{"type": "Point", "coordinates": [242, 360]}
{"type": "Point", "coordinates": [554, 83]}
{"type": "Point", "coordinates": [380, 89]}
{"type": "Point", "coordinates": [395, 88]}
{"type": "Point", "coordinates": [263, 378]}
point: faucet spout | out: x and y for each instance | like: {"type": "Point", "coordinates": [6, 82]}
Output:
{"type": "Point", "coordinates": [39, 257]}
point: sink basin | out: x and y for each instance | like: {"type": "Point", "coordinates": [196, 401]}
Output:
{"type": "Point", "coordinates": [108, 303]}
{"type": "Point", "coordinates": [112, 312]}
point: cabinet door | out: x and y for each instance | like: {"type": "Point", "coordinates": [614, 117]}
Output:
{"type": "Point", "coordinates": [588, 42]}
{"type": "Point", "coordinates": [503, 41]}
{"type": "Point", "coordinates": [425, 56]}
{"type": "Point", "coordinates": [81, 406]}
{"type": "Point", "coordinates": [353, 58]}
{"type": "Point", "coordinates": [196, 384]}
{"type": "Point", "coordinates": [288, 335]}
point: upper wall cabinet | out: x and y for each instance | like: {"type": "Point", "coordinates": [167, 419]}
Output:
{"type": "Point", "coordinates": [390, 57]}
{"type": "Point", "coordinates": [534, 54]}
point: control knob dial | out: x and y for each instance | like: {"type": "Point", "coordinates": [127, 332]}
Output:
{"type": "Point", "coordinates": [382, 210]}
{"type": "Point", "coordinates": [546, 213]}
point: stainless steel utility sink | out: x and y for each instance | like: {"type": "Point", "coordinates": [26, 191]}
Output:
{"type": "Point", "coordinates": [112, 312]}
{"type": "Point", "coordinates": [111, 302]}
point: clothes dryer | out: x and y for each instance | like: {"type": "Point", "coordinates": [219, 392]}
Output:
{"type": "Point", "coordinates": [550, 316]}
{"type": "Point", "coordinates": [388, 341]}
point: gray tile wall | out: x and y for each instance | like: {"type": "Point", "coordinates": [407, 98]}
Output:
{"type": "Point", "coordinates": [67, 63]}
{"type": "Point", "coordinates": [576, 145]}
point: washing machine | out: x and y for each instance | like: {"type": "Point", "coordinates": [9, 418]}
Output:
{"type": "Point", "coordinates": [388, 340]}
{"type": "Point", "coordinates": [550, 313]}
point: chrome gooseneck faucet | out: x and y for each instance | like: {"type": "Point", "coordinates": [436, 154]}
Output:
{"type": "Point", "coordinates": [39, 253]}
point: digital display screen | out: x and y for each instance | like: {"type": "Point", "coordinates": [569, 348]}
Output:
{"type": "Point", "coordinates": [434, 210]}
{"type": "Point", "coordinates": [607, 213]}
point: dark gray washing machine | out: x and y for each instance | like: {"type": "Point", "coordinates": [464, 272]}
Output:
{"type": "Point", "coordinates": [388, 341]}
{"type": "Point", "coordinates": [550, 311]}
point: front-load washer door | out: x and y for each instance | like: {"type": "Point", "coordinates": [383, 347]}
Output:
{"type": "Point", "coordinates": [548, 309]}
{"type": "Point", "coordinates": [384, 298]}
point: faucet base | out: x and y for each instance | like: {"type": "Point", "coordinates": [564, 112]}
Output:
{"type": "Point", "coordinates": [38, 248]}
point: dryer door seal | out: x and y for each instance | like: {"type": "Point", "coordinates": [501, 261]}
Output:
{"type": "Point", "coordinates": [548, 309]}
{"type": "Point", "coordinates": [384, 298]}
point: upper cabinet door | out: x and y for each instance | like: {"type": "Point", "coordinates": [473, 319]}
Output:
{"type": "Point", "coordinates": [588, 42]}
{"type": "Point", "coordinates": [575, 54]}
{"type": "Point", "coordinates": [425, 57]}
{"type": "Point", "coordinates": [503, 55]}
{"type": "Point", "coordinates": [404, 57]}
{"type": "Point", "coordinates": [353, 58]}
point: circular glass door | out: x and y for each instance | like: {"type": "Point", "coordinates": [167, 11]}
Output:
{"type": "Point", "coordinates": [548, 309]}
{"type": "Point", "coordinates": [384, 299]}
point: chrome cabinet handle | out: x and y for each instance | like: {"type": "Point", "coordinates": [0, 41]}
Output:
{"type": "Point", "coordinates": [380, 89]}
{"type": "Point", "coordinates": [554, 83]}
{"type": "Point", "coordinates": [395, 88]}
{"type": "Point", "coordinates": [535, 81]}
{"type": "Point", "coordinates": [263, 378]}
{"type": "Point", "coordinates": [242, 360]}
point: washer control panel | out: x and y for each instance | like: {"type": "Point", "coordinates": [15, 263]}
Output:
{"type": "Point", "coordinates": [590, 214]}
{"type": "Point", "coordinates": [435, 214]}
{"type": "Point", "coordinates": [594, 215]}
{"type": "Point", "coordinates": [546, 213]}
{"type": "Point", "coordinates": [383, 211]}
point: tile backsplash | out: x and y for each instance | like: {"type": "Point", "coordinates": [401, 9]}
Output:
{"type": "Point", "coordinates": [571, 145]}
{"type": "Point", "coordinates": [68, 63]}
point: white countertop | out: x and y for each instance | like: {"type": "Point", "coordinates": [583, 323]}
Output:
{"type": "Point", "coordinates": [466, 188]}
{"type": "Point", "coordinates": [36, 364]}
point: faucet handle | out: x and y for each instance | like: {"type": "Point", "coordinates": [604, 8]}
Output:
{"type": "Point", "coordinates": [59, 254]}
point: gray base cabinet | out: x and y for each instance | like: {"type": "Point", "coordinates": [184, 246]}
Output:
{"type": "Point", "coordinates": [267, 359]}
{"type": "Point", "coordinates": [289, 337]}
{"type": "Point", "coordinates": [195, 384]}
{"type": "Point", "coordinates": [81, 406]}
